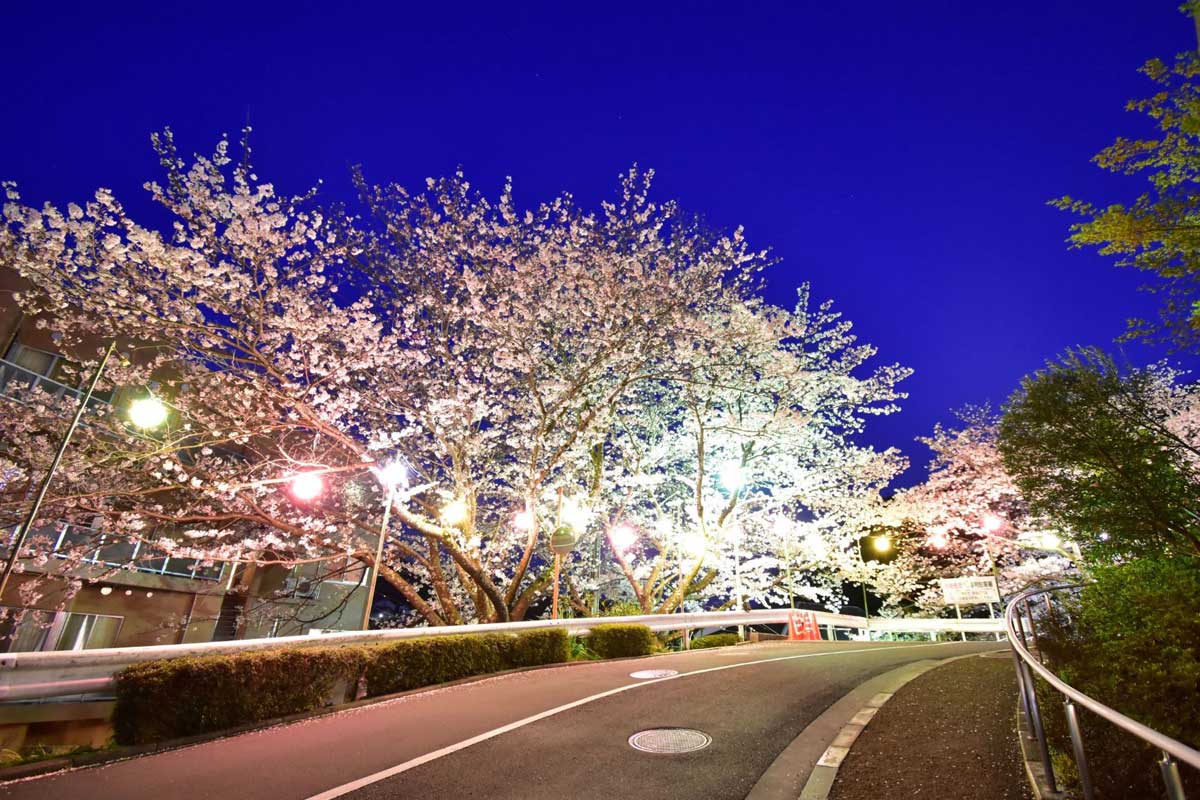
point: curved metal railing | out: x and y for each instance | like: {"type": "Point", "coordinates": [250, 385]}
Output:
{"type": "Point", "coordinates": [1019, 621]}
{"type": "Point", "coordinates": [31, 676]}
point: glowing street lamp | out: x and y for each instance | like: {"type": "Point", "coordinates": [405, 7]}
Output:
{"type": "Point", "coordinates": [523, 520]}
{"type": "Point", "coordinates": [992, 523]}
{"type": "Point", "coordinates": [393, 474]}
{"type": "Point", "coordinates": [881, 544]}
{"type": "Point", "coordinates": [307, 486]}
{"type": "Point", "coordinates": [147, 412]}
{"type": "Point", "coordinates": [939, 540]}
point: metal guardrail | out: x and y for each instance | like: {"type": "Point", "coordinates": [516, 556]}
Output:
{"type": "Point", "coordinates": [1016, 616]}
{"type": "Point", "coordinates": [31, 676]}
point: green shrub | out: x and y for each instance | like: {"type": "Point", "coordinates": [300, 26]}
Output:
{"type": "Point", "coordinates": [622, 641]}
{"type": "Point", "coordinates": [159, 700]}
{"type": "Point", "coordinates": [1131, 644]}
{"type": "Point", "coordinates": [176, 697]}
{"type": "Point", "coordinates": [534, 648]}
{"type": "Point", "coordinates": [714, 640]}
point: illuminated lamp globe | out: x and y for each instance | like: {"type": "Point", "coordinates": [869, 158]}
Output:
{"type": "Point", "coordinates": [881, 544]}
{"type": "Point", "coordinates": [307, 486]}
{"type": "Point", "coordinates": [147, 412]}
{"type": "Point", "coordinates": [562, 541]}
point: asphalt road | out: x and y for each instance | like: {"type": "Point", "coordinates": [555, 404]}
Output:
{"type": "Point", "coordinates": [476, 740]}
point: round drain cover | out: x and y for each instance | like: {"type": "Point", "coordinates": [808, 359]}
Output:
{"type": "Point", "coordinates": [670, 740]}
{"type": "Point", "coordinates": [646, 674]}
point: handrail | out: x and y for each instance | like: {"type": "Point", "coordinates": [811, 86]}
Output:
{"type": "Point", "coordinates": [1026, 660]}
{"type": "Point", "coordinates": [26, 676]}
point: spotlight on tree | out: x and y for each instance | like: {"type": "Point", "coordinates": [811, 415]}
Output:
{"type": "Point", "coordinates": [622, 537]}
{"type": "Point", "coordinates": [455, 513]}
{"type": "Point", "coordinates": [731, 476]}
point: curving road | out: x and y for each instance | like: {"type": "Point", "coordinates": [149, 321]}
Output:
{"type": "Point", "coordinates": [560, 732]}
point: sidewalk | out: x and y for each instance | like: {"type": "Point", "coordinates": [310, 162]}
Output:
{"type": "Point", "coordinates": [949, 734]}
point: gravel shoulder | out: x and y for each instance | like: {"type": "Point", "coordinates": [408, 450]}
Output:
{"type": "Point", "coordinates": [949, 734]}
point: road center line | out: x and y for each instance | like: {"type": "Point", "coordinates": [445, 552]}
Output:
{"type": "Point", "coordinates": [346, 788]}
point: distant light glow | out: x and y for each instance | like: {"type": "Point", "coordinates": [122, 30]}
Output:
{"type": "Point", "coordinates": [147, 412]}
{"type": "Point", "coordinates": [939, 540]}
{"type": "Point", "coordinates": [992, 523]}
{"type": "Point", "coordinates": [523, 520]}
{"type": "Point", "coordinates": [307, 486]}
{"type": "Point", "coordinates": [106, 590]}
{"type": "Point", "coordinates": [622, 537]}
{"type": "Point", "coordinates": [881, 544]}
{"type": "Point", "coordinates": [455, 513]}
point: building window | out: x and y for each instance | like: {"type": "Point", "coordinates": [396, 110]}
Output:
{"type": "Point", "coordinates": [57, 630]}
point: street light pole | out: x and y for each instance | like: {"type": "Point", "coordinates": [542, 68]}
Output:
{"type": "Point", "coordinates": [23, 531]}
{"type": "Point", "coordinates": [862, 559]}
{"type": "Point", "coordinates": [383, 526]}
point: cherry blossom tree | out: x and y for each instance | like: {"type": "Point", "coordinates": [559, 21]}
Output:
{"type": "Point", "coordinates": [732, 469]}
{"type": "Point", "coordinates": [500, 358]}
{"type": "Point", "coordinates": [968, 517]}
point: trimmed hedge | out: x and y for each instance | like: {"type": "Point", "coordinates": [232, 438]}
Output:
{"type": "Point", "coordinates": [714, 640]}
{"type": "Point", "coordinates": [178, 697]}
{"type": "Point", "coordinates": [622, 641]}
{"type": "Point", "coordinates": [411, 664]}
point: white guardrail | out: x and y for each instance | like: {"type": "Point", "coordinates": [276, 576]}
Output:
{"type": "Point", "coordinates": [32, 676]}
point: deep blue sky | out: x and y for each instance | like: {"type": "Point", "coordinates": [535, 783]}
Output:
{"type": "Point", "coordinates": [898, 156]}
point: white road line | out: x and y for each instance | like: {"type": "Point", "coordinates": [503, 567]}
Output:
{"type": "Point", "coordinates": [346, 788]}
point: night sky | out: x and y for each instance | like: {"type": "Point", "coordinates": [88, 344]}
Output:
{"type": "Point", "coordinates": [897, 156]}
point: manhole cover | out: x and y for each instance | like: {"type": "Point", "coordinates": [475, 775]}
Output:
{"type": "Point", "coordinates": [670, 740]}
{"type": "Point", "coordinates": [647, 674]}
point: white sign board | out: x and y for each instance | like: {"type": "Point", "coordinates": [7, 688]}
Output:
{"type": "Point", "coordinates": [969, 591]}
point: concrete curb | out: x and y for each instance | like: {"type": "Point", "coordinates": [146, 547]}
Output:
{"type": "Point", "coordinates": [806, 768]}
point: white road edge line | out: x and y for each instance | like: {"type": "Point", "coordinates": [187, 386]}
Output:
{"type": "Point", "coordinates": [346, 788]}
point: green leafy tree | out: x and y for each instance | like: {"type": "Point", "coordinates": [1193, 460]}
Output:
{"type": "Point", "coordinates": [1109, 454]}
{"type": "Point", "coordinates": [1159, 231]}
